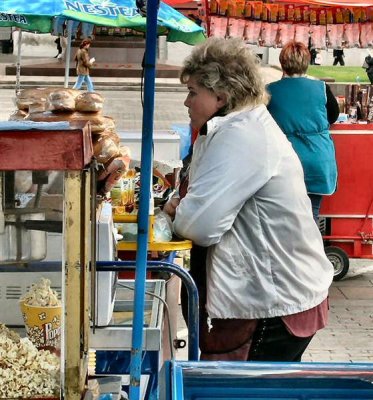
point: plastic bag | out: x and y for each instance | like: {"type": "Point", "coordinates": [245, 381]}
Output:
{"type": "Point", "coordinates": [162, 229]}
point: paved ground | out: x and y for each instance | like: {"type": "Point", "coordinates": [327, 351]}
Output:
{"type": "Point", "coordinates": [349, 335]}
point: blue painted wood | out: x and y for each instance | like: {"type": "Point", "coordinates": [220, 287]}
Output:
{"type": "Point", "coordinates": [271, 381]}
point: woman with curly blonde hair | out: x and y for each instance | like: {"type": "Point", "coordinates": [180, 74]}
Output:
{"type": "Point", "coordinates": [258, 260]}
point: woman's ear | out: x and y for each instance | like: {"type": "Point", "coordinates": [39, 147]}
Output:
{"type": "Point", "coordinates": [222, 100]}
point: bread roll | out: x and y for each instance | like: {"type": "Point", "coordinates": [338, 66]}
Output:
{"type": "Point", "coordinates": [27, 97]}
{"type": "Point", "coordinates": [61, 100]}
{"type": "Point", "coordinates": [105, 150]}
{"type": "Point", "coordinates": [120, 163]}
{"type": "Point", "coordinates": [99, 123]}
{"type": "Point", "coordinates": [89, 102]}
{"type": "Point", "coordinates": [107, 133]}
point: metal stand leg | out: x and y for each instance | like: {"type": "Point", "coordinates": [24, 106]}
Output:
{"type": "Point", "coordinates": [193, 306]}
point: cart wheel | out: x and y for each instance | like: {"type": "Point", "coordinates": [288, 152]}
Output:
{"type": "Point", "coordinates": [340, 261]}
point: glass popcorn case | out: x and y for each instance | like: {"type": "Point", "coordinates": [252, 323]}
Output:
{"type": "Point", "coordinates": [45, 212]}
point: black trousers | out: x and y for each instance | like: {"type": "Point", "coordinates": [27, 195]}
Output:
{"type": "Point", "coordinates": [198, 273]}
{"type": "Point", "coordinates": [339, 59]}
{"type": "Point", "coordinates": [250, 340]}
{"type": "Point", "coordinates": [370, 76]}
{"type": "Point", "coordinates": [273, 342]}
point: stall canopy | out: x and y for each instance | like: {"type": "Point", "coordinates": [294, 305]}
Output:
{"type": "Point", "coordinates": [342, 3]}
{"type": "Point", "coordinates": [26, 22]}
{"type": "Point", "coordinates": [37, 15]}
{"type": "Point", "coordinates": [175, 3]}
{"type": "Point", "coordinates": [366, 3]}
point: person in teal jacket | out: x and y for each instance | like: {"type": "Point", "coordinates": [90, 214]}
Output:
{"type": "Point", "coordinates": [304, 108]}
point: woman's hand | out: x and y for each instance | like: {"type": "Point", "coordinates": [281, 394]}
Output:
{"type": "Point", "coordinates": [170, 207]}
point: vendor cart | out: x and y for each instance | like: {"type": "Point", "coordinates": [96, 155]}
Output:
{"type": "Point", "coordinates": [346, 217]}
{"type": "Point", "coordinates": [38, 149]}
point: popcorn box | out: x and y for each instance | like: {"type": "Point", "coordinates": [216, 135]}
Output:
{"type": "Point", "coordinates": [43, 325]}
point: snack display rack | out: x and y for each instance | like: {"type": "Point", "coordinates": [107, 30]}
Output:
{"type": "Point", "coordinates": [319, 24]}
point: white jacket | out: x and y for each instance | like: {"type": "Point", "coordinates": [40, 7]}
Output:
{"type": "Point", "coordinates": [247, 201]}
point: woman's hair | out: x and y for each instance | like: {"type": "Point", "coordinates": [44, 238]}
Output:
{"type": "Point", "coordinates": [294, 58]}
{"type": "Point", "coordinates": [226, 66]}
{"type": "Point", "coordinates": [85, 42]}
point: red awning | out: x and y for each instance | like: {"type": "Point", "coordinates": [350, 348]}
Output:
{"type": "Point", "coordinates": [342, 3]}
{"type": "Point", "coordinates": [174, 3]}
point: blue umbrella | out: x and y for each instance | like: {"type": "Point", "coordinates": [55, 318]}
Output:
{"type": "Point", "coordinates": [36, 15]}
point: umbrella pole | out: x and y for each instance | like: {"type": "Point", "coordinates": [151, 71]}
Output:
{"type": "Point", "coordinates": [18, 64]}
{"type": "Point", "coordinates": [68, 53]}
{"type": "Point", "coordinates": [145, 184]}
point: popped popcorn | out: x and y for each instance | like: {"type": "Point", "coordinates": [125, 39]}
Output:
{"type": "Point", "coordinates": [41, 294]}
{"type": "Point", "coordinates": [41, 311]}
{"type": "Point", "coordinates": [26, 371]}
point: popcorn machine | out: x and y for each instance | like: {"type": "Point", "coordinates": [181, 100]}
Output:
{"type": "Point", "coordinates": [34, 156]}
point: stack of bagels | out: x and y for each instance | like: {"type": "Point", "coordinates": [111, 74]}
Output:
{"type": "Point", "coordinates": [59, 104]}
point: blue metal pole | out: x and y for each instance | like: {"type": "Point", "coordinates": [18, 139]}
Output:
{"type": "Point", "coordinates": [68, 53]}
{"type": "Point", "coordinates": [177, 382]}
{"type": "Point", "coordinates": [143, 217]}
